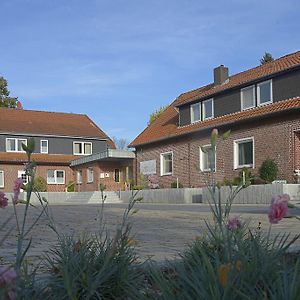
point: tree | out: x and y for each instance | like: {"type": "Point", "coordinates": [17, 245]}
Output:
{"type": "Point", "coordinates": [266, 58]}
{"type": "Point", "coordinates": [5, 100]}
{"type": "Point", "coordinates": [156, 114]}
{"type": "Point", "coordinates": [121, 143]}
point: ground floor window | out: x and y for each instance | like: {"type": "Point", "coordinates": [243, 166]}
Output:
{"type": "Point", "coordinates": [90, 175]}
{"type": "Point", "coordinates": [207, 158]}
{"type": "Point", "coordinates": [1, 179]}
{"type": "Point", "coordinates": [22, 174]}
{"type": "Point", "coordinates": [244, 153]}
{"type": "Point", "coordinates": [166, 163]}
{"type": "Point", "coordinates": [117, 175]}
{"type": "Point", "coordinates": [55, 177]}
{"type": "Point", "coordinates": [79, 177]}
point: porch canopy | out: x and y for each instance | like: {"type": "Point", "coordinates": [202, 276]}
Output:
{"type": "Point", "coordinates": [108, 155]}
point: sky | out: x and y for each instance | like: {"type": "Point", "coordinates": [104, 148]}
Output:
{"type": "Point", "coordinates": [118, 61]}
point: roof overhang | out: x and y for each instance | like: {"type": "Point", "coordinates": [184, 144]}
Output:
{"type": "Point", "coordinates": [108, 155]}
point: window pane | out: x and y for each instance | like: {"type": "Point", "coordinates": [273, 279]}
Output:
{"type": "Point", "coordinates": [20, 142]}
{"type": "Point", "coordinates": [167, 163]}
{"type": "Point", "coordinates": [208, 159]}
{"type": "Point", "coordinates": [60, 177]}
{"type": "Point", "coordinates": [77, 148]}
{"type": "Point", "coordinates": [50, 176]}
{"type": "Point", "coordinates": [248, 98]}
{"type": "Point", "coordinates": [79, 176]}
{"type": "Point", "coordinates": [265, 92]}
{"type": "Point", "coordinates": [117, 175]}
{"type": "Point", "coordinates": [195, 112]}
{"type": "Point", "coordinates": [11, 145]}
{"type": "Point", "coordinates": [246, 153]}
{"type": "Point", "coordinates": [90, 173]}
{"type": "Point", "coordinates": [208, 109]}
{"type": "Point", "coordinates": [1, 179]}
{"type": "Point", "coordinates": [87, 148]}
{"type": "Point", "coordinates": [44, 146]}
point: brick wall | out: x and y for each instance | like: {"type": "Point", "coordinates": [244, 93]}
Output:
{"type": "Point", "coordinates": [11, 173]}
{"type": "Point", "coordinates": [274, 138]}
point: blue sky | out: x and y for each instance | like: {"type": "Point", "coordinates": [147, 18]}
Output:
{"type": "Point", "coordinates": [117, 61]}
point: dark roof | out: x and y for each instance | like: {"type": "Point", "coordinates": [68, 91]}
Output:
{"type": "Point", "coordinates": [166, 126]}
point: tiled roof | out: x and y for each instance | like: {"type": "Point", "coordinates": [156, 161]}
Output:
{"type": "Point", "coordinates": [48, 123]}
{"type": "Point", "coordinates": [13, 157]}
{"type": "Point", "coordinates": [166, 126]}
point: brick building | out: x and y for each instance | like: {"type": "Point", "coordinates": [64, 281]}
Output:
{"type": "Point", "coordinates": [60, 139]}
{"type": "Point", "coordinates": [260, 106]}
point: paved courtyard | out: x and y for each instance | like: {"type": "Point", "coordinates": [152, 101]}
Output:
{"type": "Point", "coordinates": [161, 231]}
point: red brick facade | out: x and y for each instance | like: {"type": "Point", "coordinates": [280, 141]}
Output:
{"type": "Point", "coordinates": [276, 138]}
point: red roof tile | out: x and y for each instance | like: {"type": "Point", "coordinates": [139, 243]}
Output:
{"type": "Point", "coordinates": [166, 126]}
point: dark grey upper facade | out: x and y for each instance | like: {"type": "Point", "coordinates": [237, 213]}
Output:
{"type": "Point", "coordinates": [284, 86]}
{"type": "Point", "coordinates": [55, 144]}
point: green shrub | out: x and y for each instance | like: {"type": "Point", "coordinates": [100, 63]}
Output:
{"type": "Point", "coordinates": [174, 185]}
{"type": "Point", "coordinates": [40, 184]}
{"type": "Point", "coordinates": [268, 170]}
{"type": "Point", "coordinates": [71, 186]}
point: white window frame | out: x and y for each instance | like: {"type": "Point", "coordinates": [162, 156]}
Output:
{"type": "Point", "coordinates": [201, 156]}
{"type": "Point", "coordinates": [82, 147]}
{"type": "Point", "coordinates": [236, 152]}
{"type": "Point", "coordinates": [16, 144]}
{"type": "Point", "coordinates": [161, 164]}
{"type": "Point", "coordinates": [192, 114]}
{"type": "Point", "coordinates": [2, 174]}
{"type": "Point", "coordinates": [212, 109]}
{"type": "Point", "coordinates": [41, 147]}
{"type": "Point", "coordinates": [90, 176]}
{"type": "Point", "coordinates": [55, 177]}
{"type": "Point", "coordinates": [258, 92]}
{"type": "Point", "coordinates": [253, 94]}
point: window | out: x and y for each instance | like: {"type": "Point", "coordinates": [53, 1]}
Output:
{"type": "Point", "coordinates": [15, 145]}
{"type": "Point", "coordinates": [264, 92]}
{"type": "Point", "coordinates": [55, 177]}
{"type": "Point", "coordinates": [248, 97]}
{"type": "Point", "coordinates": [207, 158]}
{"type": "Point", "coordinates": [208, 109]}
{"type": "Point", "coordinates": [79, 177]}
{"type": "Point", "coordinates": [195, 112]}
{"type": "Point", "coordinates": [44, 146]}
{"type": "Point", "coordinates": [90, 175]}
{"type": "Point", "coordinates": [117, 175]}
{"type": "Point", "coordinates": [22, 174]}
{"type": "Point", "coordinates": [244, 153]}
{"type": "Point", "coordinates": [1, 179]}
{"type": "Point", "coordinates": [166, 163]}
{"type": "Point", "coordinates": [82, 148]}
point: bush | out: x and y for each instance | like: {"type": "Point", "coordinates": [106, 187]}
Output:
{"type": "Point", "coordinates": [268, 170]}
{"type": "Point", "coordinates": [71, 187]}
{"type": "Point", "coordinates": [174, 185]}
{"type": "Point", "coordinates": [40, 184]}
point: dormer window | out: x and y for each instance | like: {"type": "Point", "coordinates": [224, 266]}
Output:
{"type": "Point", "coordinates": [208, 109]}
{"type": "Point", "coordinates": [248, 97]}
{"type": "Point", "coordinates": [195, 112]}
{"type": "Point", "coordinates": [264, 93]}
{"type": "Point", "coordinates": [82, 148]}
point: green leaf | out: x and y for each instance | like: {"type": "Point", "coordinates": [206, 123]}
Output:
{"type": "Point", "coordinates": [30, 145]}
{"type": "Point", "coordinates": [204, 149]}
{"type": "Point", "coordinates": [226, 134]}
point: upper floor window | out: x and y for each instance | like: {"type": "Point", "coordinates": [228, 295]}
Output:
{"type": "Point", "coordinates": [55, 177]}
{"type": "Point", "coordinates": [90, 175]}
{"type": "Point", "coordinates": [244, 153]}
{"type": "Point", "coordinates": [166, 163]}
{"type": "Point", "coordinates": [44, 146]}
{"type": "Point", "coordinates": [195, 112]}
{"type": "Point", "coordinates": [207, 158]}
{"type": "Point", "coordinates": [264, 92]}
{"type": "Point", "coordinates": [208, 109]}
{"type": "Point", "coordinates": [15, 144]}
{"type": "Point", "coordinates": [82, 148]}
{"type": "Point", "coordinates": [248, 97]}
{"type": "Point", "coordinates": [1, 179]}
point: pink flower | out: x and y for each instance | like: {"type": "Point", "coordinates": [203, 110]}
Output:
{"type": "Point", "coordinates": [3, 200]}
{"type": "Point", "coordinates": [215, 131]}
{"type": "Point", "coordinates": [8, 277]}
{"type": "Point", "coordinates": [234, 223]}
{"type": "Point", "coordinates": [17, 187]}
{"type": "Point", "coordinates": [278, 208]}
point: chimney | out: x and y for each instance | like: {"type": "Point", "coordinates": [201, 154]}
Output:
{"type": "Point", "coordinates": [220, 75]}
